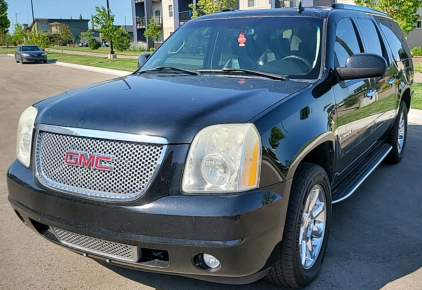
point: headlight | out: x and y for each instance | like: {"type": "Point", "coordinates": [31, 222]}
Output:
{"type": "Point", "coordinates": [44, 54]}
{"type": "Point", "coordinates": [223, 158]}
{"type": "Point", "coordinates": [24, 136]}
{"type": "Point", "coordinates": [25, 54]}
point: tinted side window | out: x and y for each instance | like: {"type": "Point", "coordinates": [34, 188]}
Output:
{"type": "Point", "coordinates": [370, 36]}
{"type": "Point", "coordinates": [395, 38]}
{"type": "Point", "coordinates": [347, 43]}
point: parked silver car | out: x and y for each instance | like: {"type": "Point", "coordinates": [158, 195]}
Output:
{"type": "Point", "coordinates": [30, 53]}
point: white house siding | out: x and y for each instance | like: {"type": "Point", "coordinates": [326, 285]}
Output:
{"type": "Point", "coordinates": [259, 4]}
{"type": "Point", "coordinates": [168, 22]}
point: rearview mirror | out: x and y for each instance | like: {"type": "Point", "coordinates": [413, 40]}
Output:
{"type": "Point", "coordinates": [363, 65]}
{"type": "Point", "coordinates": [142, 59]}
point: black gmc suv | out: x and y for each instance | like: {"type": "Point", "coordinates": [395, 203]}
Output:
{"type": "Point", "coordinates": [219, 159]}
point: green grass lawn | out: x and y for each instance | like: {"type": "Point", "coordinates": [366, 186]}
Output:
{"type": "Point", "coordinates": [7, 50]}
{"type": "Point", "coordinates": [100, 50]}
{"type": "Point", "coordinates": [417, 97]}
{"type": "Point", "coordinates": [118, 63]}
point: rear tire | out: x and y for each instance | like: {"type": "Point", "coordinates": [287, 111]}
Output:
{"type": "Point", "coordinates": [306, 230]}
{"type": "Point", "coordinates": [398, 135]}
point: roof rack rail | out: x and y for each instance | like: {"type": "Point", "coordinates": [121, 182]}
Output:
{"type": "Point", "coordinates": [227, 10]}
{"type": "Point", "coordinates": [357, 8]}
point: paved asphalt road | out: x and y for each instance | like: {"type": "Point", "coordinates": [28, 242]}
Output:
{"type": "Point", "coordinates": [375, 241]}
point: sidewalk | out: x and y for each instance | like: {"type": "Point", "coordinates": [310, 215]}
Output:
{"type": "Point", "coordinates": [91, 53]}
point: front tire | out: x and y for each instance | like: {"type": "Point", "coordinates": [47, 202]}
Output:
{"type": "Point", "coordinates": [398, 135]}
{"type": "Point", "coordinates": [306, 230]}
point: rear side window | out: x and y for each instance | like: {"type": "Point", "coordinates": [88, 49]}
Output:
{"type": "Point", "coordinates": [347, 43]}
{"type": "Point", "coordinates": [370, 36]}
{"type": "Point", "coordinates": [395, 38]}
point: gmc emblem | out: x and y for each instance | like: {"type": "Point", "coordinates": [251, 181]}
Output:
{"type": "Point", "coordinates": [83, 159]}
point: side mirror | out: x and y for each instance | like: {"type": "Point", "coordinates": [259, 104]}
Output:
{"type": "Point", "coordinates": [363, 65]}
{"type": "Point", "coordinates": [142, 59]}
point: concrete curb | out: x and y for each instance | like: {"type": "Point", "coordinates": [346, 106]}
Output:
{"type": "Point", "coordinates": [113, 72]}
{"type": "Point", "coordinates": [415, 116]}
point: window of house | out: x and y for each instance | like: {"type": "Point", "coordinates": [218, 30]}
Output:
{"type": "Point", "coordinates": [251, 3]}
{"type": "Point", "coordinates": [44, 27]}
{"type": "Point", "coordinates": [419, 24]}
{"type": "Point", "coordinates": [170, 10]}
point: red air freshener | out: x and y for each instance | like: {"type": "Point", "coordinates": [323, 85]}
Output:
{"type": "Point", "coordinates": [241, 39]}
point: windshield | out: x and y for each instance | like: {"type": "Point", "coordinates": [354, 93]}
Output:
{"type": "Point", "coordinates": [30, 48]}
{"type": "Point", "coordinates": [288, 46]}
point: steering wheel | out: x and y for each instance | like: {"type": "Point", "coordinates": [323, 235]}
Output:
{"type": "Point", "coordinates": [296, 57]}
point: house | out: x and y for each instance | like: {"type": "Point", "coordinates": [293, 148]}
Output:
{"type": "Point", "coordinates": [49, 26]}
{"type": "Point", "coordinates": [171, 14]}
{"type": "Point", "coordinates": [414, 38]}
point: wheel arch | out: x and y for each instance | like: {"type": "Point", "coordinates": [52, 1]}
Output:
{"type": "Point", "coordinates": [406, 97]}
{"type": "Point", "coordinates": [319, 151]}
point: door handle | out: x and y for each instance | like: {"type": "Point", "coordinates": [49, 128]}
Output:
{"type": "Point", "coordinates": [370, 94]}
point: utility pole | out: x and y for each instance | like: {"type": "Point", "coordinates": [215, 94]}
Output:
{"type": "Point", "coordinates": [32, 7]}
{"type": "Point", "coordinates": [16, 15]}
{"type": "Point", "coordinates": [125, 23]}
{"type": "Point", "coordinates": [111, 41]}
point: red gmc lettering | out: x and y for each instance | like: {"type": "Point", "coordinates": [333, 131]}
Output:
{"type": "Point", "coordinates": [98, 164]}
{"type": "Point", "coordinates": [85, 161]}
{"type": "Point", "coordinates": [94, 161]}
{"type": "Point", "coordinates": [71, 158]}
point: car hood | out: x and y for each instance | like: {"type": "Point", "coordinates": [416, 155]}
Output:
{"type": "Point", "coordinates": [173, 107]}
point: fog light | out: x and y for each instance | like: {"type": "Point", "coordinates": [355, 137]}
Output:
{"type": "Point", "coordinates": [211, 261]}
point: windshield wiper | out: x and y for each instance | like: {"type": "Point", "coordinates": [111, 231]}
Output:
{"type": "Point", "coordinates": [161, 68]}
{"type": "Point", "coordinates": [254, 72]}
{"type": "Point", "coordinates": [229, 70]}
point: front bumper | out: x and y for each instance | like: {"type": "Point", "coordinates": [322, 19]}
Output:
{"type": "Point", "coordinates": [243, 231]}
{"type": "Point", "coordinates": [34, 58]}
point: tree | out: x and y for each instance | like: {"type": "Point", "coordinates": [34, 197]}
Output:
{"type": "Point", "coordinates": [103, 22]}
{"type": "Point", "coordinates": [19, 33]}
{"type": "Point", "coordinates": [404, 12]}
{"type": "Point", "coordinates": [92, 42]}
{"type": "Point", "coordinates": [80, 17]}
{"type": "Point", "coordinates": [4, 21]}
{"type": "Point", "coordinates": [39, 38]}
{"type": "Point", "coordinates": [121, 39]}
{"type": "Point", "coordinates": [62, 34]}
{"type": "Point", "coordinates": [152, 31]}
{"type": "Point", "coordinates": [204, 7]}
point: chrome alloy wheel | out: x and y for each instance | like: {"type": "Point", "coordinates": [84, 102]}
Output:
{"type": "Point", "coordinates": [312, 227]}
{"type": "Point", "coordinates": [401, 133]}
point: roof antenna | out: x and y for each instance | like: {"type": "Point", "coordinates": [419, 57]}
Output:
{"type": "Point", "coordinates": [300, 9]}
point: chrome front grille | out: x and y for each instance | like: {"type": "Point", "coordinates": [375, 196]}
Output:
{"type": "Point", "coordinates": [134, 165]}
{"type": "Point", "coordinates": [100, 247]}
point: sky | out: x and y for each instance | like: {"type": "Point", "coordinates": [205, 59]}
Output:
{"type": "Point", "coordinates": [66, 9]}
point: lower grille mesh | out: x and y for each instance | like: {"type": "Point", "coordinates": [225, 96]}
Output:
{"type": "Point", "coordinates": [97, 246]}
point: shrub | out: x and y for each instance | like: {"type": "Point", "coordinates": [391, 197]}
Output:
{"type": "Point", "coordinates": [416, 51]}
{"type": "Point", "coordinates": [121, 39]}
{"type": "Point", "coordinates": [93, 44]}
{"type": "Point", "coordinates": [138, 47]}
